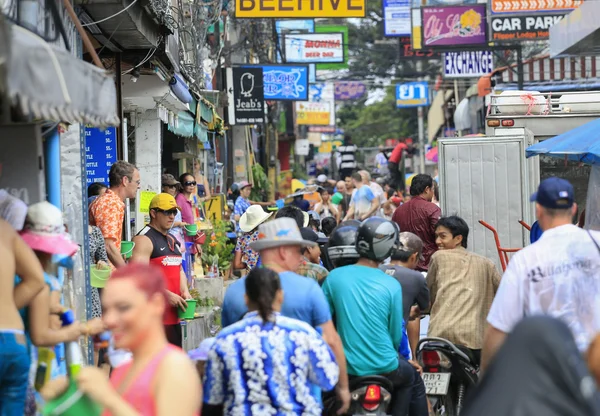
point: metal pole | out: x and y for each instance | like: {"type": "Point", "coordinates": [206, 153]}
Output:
{"type": "Point", "coordinates": [421, 116]}
{"type": "Point", "coordinates": [125, 146]}
{"type": "Point", "coordinates": [520, 73]}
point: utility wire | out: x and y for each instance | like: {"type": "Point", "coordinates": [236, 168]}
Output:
{"type": "Point", "coordinates": [110, 17]}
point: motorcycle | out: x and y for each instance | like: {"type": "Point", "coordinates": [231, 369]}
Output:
{"type": "Point", "coordinates": [370, 396]}
{"type": "Point", "coordinates": [448, 374]}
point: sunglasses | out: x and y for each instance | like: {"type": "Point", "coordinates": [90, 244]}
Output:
{"type": "Point", "coordinates": [190, 183]}
{"type": "Point", "coordinates": [169, 212]}
{"type": "Point", "coordinates": [169, 186]}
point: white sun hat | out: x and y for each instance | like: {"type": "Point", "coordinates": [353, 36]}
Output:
{"type": "Point", "coordinates": [253, 217]}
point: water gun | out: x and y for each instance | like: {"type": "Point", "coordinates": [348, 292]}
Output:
{"type": "Point", "coordinates": [73, 351]}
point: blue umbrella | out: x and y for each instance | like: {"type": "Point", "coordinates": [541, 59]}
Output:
{"type": "Point", "coordinates": [581, 144]}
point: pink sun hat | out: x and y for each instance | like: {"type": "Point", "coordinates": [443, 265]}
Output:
{"type": "Point", "coordinates": [44, 230]}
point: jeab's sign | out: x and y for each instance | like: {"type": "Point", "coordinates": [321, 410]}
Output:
{"type": "Point", "coordinates": [299, 8]}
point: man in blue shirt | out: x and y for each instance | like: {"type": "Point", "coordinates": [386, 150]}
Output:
{"type": "Point", "coordinates": [280, 246]}
{"type": "Point", "coordinates": [364, 203]}
{"type": "Point", "coordinates": [367, 305]}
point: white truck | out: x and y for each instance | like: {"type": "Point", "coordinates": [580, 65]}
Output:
{"type": "Point", "coordinates": [488, 178]}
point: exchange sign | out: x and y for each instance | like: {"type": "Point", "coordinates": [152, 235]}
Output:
{"type": "Point", "coordinates": [412, 94]}
{"type": "Point", "coordinates": [522, 28]}
{"type": "Point", "coordinates": [468, 64]}
{"type": "Point", "coordinates": [313, 47]}
{"type": "Point", "coordinates": [454, 25]}
{"type": "Point", "coordinates": [295, 9]}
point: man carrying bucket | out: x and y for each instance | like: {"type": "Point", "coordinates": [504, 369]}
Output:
{"type": "Point", "coordinates": [155, 245]}
{"type": "Point", "coordinates": [108, 211]}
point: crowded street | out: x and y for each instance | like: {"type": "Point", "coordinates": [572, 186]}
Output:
{"type": "Point", "coordinates": [256, 207]}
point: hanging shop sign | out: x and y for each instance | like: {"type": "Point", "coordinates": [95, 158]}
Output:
{"type": "Point", "coordinates": [296, 26]}
{"type": "Point", "coordinates": [100, 153]}
{"type": "Point", "coordinates": [454, 26]}
{"type": "Point", "coordinates": [252, 9]}
{"type": "Point", "coordinates": [522, 28]}
{"type": "Point", "coordinates": [529, 6]}
{"type": "Point", "coordinates": [349, 90]}
{"type": "Point", "coordinates": [313, 47]}
{"type": "Point", "coordinates": [412, 94]}
{"type": "Point", "coordinates": [468, 64]}
{"type": "Point", "coordinates": [334, 29]}
{"type": "Point", "coordinates": [311, 113]}
{"type": "Point", "coordinates": [396, 18]}
{"type": "Point", "coordinates": [246, 96]}
{"type": "Point", "coordinates": [285, 82]}
{"type": "Point", "coordinates": [324, 93]}
{"type": "Point", "coordinates": [407, 52]}
{"type": "Point", "coordinates": [321, 129]}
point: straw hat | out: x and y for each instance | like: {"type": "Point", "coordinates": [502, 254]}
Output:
{"type": "Point", "coordinates": [253, 217]}
{"type": "Point", "coordinates": [278, 233]}
{"type": "Point", "coordinates": [45, 231]}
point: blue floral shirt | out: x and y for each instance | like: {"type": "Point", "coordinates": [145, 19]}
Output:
{"type": "Point", "coordinates": [269, 369]}
{"type": "Point", "coordinates": [241, 205]}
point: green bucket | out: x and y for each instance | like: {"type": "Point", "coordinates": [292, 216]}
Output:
{"type": "Point", "coordinates": [191, 229]}
{"type": "Point", "coordinates": [71, 403]}
{"type": "Point", "coordinates": [337, 198]}
{"type": "Point", "coordinates": [127, 248]}
{"type": "Point", "coordinates": [99, 277]}
{"type": "Point", "coordinates": [190, 310]}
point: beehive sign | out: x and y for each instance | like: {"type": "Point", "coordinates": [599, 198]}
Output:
{"type": "Point", "coordinates": [299, 8]}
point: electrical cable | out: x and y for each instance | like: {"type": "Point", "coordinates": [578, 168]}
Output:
{"type": "Point", "coordinates": [110, 17]}
{"type": "Point", "coordinates": [149, 55]}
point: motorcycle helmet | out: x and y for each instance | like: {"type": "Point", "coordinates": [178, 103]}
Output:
{"type": "Point", "coordinates": [376, 238]}
{"type": "Point", "coordinates": [341, 249]}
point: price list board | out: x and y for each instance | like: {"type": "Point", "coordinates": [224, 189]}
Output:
{"type": "Point", "coordinates": [100, 153]}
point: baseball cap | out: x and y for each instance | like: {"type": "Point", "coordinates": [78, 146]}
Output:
{"type": "Point", "coordinates": [310, 235]}
{"type": "Point", "coordinates": [168, 179]}
{"type": "Point", "coordinates": [163, 201]}
{"type": "Point", "coordinates": [554, 193]}
{"type": "Point", "coordinates": [410, 242]}
{"type": "Point", "coordinates": [243, 184]}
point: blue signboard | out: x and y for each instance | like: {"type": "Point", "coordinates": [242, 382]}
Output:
{"type": "Point", "coordinates": [100, 153]}
{"type": "Point", "coordinates": [412, 94]}
{"type": "Point", "coordinates": [285, 82]}
{"type": "Point", "coordinates": [300, 26]}
{"type": "Point", "coordinates": [396, 18]}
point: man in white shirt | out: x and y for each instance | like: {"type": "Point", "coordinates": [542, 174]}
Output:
{"type": "Point", "coordinates": [375, 187]}
{"type": "Point", "coordinates": [558, 275]}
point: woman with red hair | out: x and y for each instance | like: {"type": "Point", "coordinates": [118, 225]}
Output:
{"type": "Point", "coordinates": [160, 380]}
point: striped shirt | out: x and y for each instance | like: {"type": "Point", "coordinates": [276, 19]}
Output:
{"type": "Point", "coordinates": [348, 158]}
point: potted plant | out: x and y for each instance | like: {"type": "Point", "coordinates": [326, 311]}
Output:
{"type": "Point", "coordinates": [217, 251]}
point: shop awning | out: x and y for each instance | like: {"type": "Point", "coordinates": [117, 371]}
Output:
{"type": "Point", "coordinates": [578, 145]}
{"type": "Point", "coordinates": [51, 84]}
{"type": "Point", "coordinates": [578, 33]}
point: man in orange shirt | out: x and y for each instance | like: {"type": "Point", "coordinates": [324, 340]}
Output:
{"type": "Point", "coordinates": [108, 211]}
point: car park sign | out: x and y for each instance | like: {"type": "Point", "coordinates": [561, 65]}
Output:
{"type": "Point", "coordinates": [412, 94]}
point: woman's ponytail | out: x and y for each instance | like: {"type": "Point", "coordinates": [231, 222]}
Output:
{"type": "Point", "coordinates": [262, 285]}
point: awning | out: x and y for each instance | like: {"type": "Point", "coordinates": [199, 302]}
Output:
{"type": "Point", "coordinates": [581, 144]}
{"type": "Point", "coordinates": [578, 33]}
{"type": "Point", "coordinates": [51, 84]}
{"type": "Point", "coordinates": [436, 117]}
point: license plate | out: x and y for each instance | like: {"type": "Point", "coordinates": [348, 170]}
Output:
{"type": "Point", "coordinates": [436, 384]}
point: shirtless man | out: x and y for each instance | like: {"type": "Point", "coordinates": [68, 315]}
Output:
{"type": "Point", "coordinates": [16, 259]}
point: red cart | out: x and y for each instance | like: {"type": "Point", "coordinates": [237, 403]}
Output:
{"type": "Point", "coordinates": [502, 251]}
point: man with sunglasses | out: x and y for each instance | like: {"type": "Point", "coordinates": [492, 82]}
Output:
{"type": "Point", "coordinates": [155, 245]}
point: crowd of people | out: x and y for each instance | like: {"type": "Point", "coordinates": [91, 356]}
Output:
{"type": "Point", "coordinates": [330, 293]}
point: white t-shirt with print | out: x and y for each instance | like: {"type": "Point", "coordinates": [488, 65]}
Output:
{"type": "Point", "coordinates": [559, 276]}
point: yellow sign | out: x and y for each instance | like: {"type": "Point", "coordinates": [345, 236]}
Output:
{"type": "Point", "coordinates": [145, 198]}
{"type": "Point", "coordinates": [310, 113]}
{"type": "Point", "coordinates": [214, 207]}
{"type": "Point", "coordinates": [327, 147]}
{"type": "Point", "coordinates": [299, 8]}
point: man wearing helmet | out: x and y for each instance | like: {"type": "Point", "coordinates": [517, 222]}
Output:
{"type": "Point", "coordinates": [367, 305]}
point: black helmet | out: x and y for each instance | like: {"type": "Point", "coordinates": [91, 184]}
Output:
{"type": "Point", "coordinates": [376, 238]}
{"type": "Point", "coordinates": [341, 249]}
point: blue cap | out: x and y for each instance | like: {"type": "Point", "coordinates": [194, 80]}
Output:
{"type": "Point", "coordinates": [554, 193]}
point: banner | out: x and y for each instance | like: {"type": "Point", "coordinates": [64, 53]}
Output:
{"type": "Point", "coordinates": [407, 52]}
{"type": "Point", "coordinates": [334, 29]}
{"type": "Point", "coordinates": [296, 26]}
{"type": "Point", "coordinates": [412, 94]}
{"type": "Point", "coordinates": [533, 6]}
{"type": "Point", "coordinates": [454, 26]}
{"type": "Point", "coordinates": [309, 113]}
{"type": "Point", "coordinates": [100, 153]}
{"type": "Point", "coordinates": [246, 96]}
{"type": "Point", "coordinates": [284, 82]}
{"type": "Point", "coordinates": [260, 9]}
{"type": "Point", "coordinates": [468, 64]}
{"type": "Point", "coordinates": [523, 28]}
{"type": "Point", "coordinates": [313, 47]}
{"type": "Point", "coordinates": [396, 18]}
{"type": "Point", "coordinates": [349, 90]}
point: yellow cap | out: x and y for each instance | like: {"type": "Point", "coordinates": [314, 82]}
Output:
{"type": "Point", "coordinates": [163, 201]}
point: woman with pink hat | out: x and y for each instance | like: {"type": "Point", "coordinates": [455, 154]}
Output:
{"type": "Point", "coordinates": [44, 234]}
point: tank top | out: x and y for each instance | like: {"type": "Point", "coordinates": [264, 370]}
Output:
{"type": "Point", "coordinates": [139, 393]}
{"type": "Point", "coordinates": [167, 256]}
